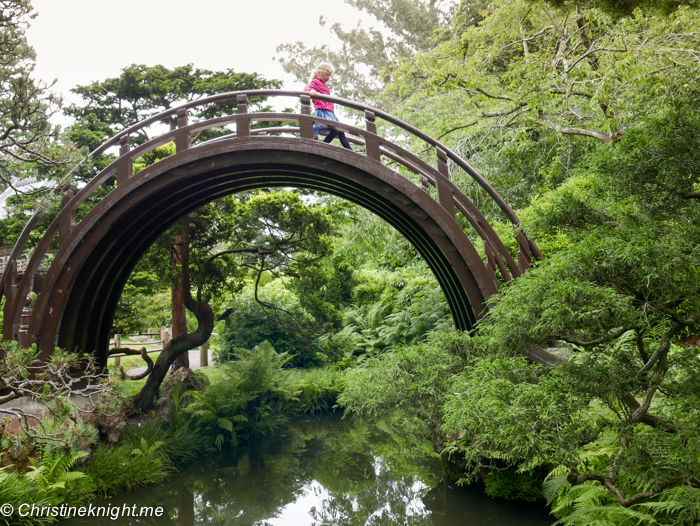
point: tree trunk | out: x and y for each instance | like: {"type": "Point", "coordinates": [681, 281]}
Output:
{"type": "Point", "coordinates": [178, 345]}
{"type": "Point", "coordinates": [179, 317]}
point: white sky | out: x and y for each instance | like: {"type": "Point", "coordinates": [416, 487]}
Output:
{"type": "Point", "coordinates": [80, 41]}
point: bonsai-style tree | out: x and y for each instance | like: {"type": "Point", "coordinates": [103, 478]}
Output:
{"type": "Point", "coordinates": [223, 244]}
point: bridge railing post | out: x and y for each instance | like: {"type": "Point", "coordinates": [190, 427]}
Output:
{"type": "Point", "coordinates": [67, 224]}
{"type": "Point", "coordinates": [490, 258]}
{"type": "Point", "coordinates": [10, 291]}
{"type": "Point", "coordinates": [524, 256]}
{"type": "Point", "coordinates": [242, 125]}
{"type": "Point", "coordinates": [306, 128]}
{"type": "Point", "coordinates": [125, 168]}
{"type": "Point", "coordinates": [445, 194]}
{"type": "Point", "coordinates": [182, 140]}
{"type": "Point", "coordinates": [371, 146]}
{"type": "Point", "coordinates": [26, 317]}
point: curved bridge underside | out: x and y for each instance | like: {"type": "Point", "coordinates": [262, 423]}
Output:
{"type": "Point", "coordinates": [102, 254]}
{"type": "Point", "coordinates": [80, 292]}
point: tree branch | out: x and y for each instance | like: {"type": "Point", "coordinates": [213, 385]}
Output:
{"type": "Point", "coordinates": [591, 343]}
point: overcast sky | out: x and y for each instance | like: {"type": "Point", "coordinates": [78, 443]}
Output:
{"type": "Point", "coordinates": [80, 41]}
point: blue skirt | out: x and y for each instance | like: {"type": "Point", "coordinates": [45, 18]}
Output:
{"type": "Point", "coordinates": [324, 114]}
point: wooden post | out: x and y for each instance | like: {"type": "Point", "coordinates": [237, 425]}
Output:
{"type": "Point", "coordinates": [204, 354]}
{"type": "Point", "coordinates": [242, 125]}
{"type": "Point", "coordinates": [67, 224]}
{"type": "Point", "coordinates": [9, 289]}
{"type": "Point", "coordinates": [125, 167]}
{"type": "Point", "coordinates": [371, 146]}
{"type": "Point", "coordinates": [182, 140]}
{"type": "Point", "coordinates": [445, 196]}
{"type": "Point", "coordinates": [165, 335]}
{"type": "Point", "coordinates": [306, 128]}
{"type": "Point", "coordinates": [24, 322]}
{"type": "Point", "coordinates": [117, 345]}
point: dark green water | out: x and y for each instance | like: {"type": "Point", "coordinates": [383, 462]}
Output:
{"type": "Point", "coordinates": [320, 471]}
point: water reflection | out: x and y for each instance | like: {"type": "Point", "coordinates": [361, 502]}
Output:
{"type": "Point", "coordinates": [322, 471]}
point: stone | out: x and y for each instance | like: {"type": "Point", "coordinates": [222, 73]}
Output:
{"type": "Point", "coordinates": [185, 379]}
{"type": "Point", "coordinates": [35, 411]}
{"type": "Point", "coordinates": [110, 425]}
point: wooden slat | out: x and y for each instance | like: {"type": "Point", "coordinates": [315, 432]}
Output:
{"type": "Point", "coordinates": [182, 140]}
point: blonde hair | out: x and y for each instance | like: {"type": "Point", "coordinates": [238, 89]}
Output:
{"type": "Point", "coordinates": [323, 67]}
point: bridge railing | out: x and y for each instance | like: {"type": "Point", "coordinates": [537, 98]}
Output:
{"type": "Point", "coordinates": [449, 196]}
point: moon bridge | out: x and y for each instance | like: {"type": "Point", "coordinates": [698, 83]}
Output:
{"type": "Point", "coordinates": [78, 295]}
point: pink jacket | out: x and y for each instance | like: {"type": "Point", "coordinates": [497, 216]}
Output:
{"type": "Point", "coordinates": [320, 86]}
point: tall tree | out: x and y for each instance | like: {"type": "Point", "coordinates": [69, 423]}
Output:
{"type": "Point", "coordinates": [26, 104]}
{"type": "Point", "coordinates": [526, 92]}
{"type": "Point", "coordinates": [142, 91]}
{"type": "Point", "coordinates": [571, 69]}
{"type": "Point", "coordinates": [365, 55]}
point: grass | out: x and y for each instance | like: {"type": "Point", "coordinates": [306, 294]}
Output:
{"type": "Point", "coordinates": [132, 362]}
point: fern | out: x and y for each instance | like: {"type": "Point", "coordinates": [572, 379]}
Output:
{"type": "Point", "coordinates": [610, 515]}
{"type": "Point", "coordinates": [53, 469]}
{"type": "Point", "coordinates": [551, 487]}
{"type": "Point", "coordinates": [587, 495]}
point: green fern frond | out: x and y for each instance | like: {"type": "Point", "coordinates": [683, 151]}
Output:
{"type": "Point", "coordinates": [610, 515]}
{"type": "Point", "coordinates": [551, 487]}
{"type": "Point", "coordinates": [225, 423]}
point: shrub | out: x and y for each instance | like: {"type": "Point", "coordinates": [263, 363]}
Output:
{"type": "Point", "coordinates": [250, 400]}
{"type": "Point", "coordinates": [293, 332]}
{"type": "Point", "coordinates": [510, 484]}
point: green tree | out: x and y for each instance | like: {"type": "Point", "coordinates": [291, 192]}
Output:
{"type": "Point", "coordinates": [615, 425]}
{"type": "Point", "coordinates": [227, 242]}
{"type": "Point", "coordinates": [620, 288]}
{"type": "Point", "coordinates": [31, 151]}
{"type": "Point", "coordinates": [26, 104]}
{"type": "Point", "coordinates": [571, 69]}
{"type": "Point", "coordinates": [528, 92]}
{"type": "Point", "coordinates": [362, 63]}
{"type": "Point", "coordinates": [142, 91]}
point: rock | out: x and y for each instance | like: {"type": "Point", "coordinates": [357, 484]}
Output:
{"type": "Point", "coordinates": [83, 445]}
{"type": "Point", "coordinates": [110, 425]}
{"type": "Point", "coordinates": [20, 451]}
{"type": "Point", "coordinates": [185, 379]}
{"type": "Point", "coordinates": [108, 416]}
{"type": "Point", "coordinates": [35, 413]}
{"type": "Point", "coordinates": [18, 457]}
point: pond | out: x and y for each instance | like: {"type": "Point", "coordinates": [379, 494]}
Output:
{"type": "Point", "coordinates": [320, 471]}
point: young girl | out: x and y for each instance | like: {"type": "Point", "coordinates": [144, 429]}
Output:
{"type": "Point", "coordinates": [324, 109]}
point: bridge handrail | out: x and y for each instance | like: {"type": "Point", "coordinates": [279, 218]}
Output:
{"type": "Point", "coordinates": [221, 97]}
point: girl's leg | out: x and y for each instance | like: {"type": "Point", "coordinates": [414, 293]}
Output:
{"type": "Point", "coordinates": [341, 135]}
{"type": "Point", "coordinates": [344, 140]}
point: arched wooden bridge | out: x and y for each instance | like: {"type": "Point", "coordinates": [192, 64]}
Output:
{"type": "Point", "coordinates": [79, 294]}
